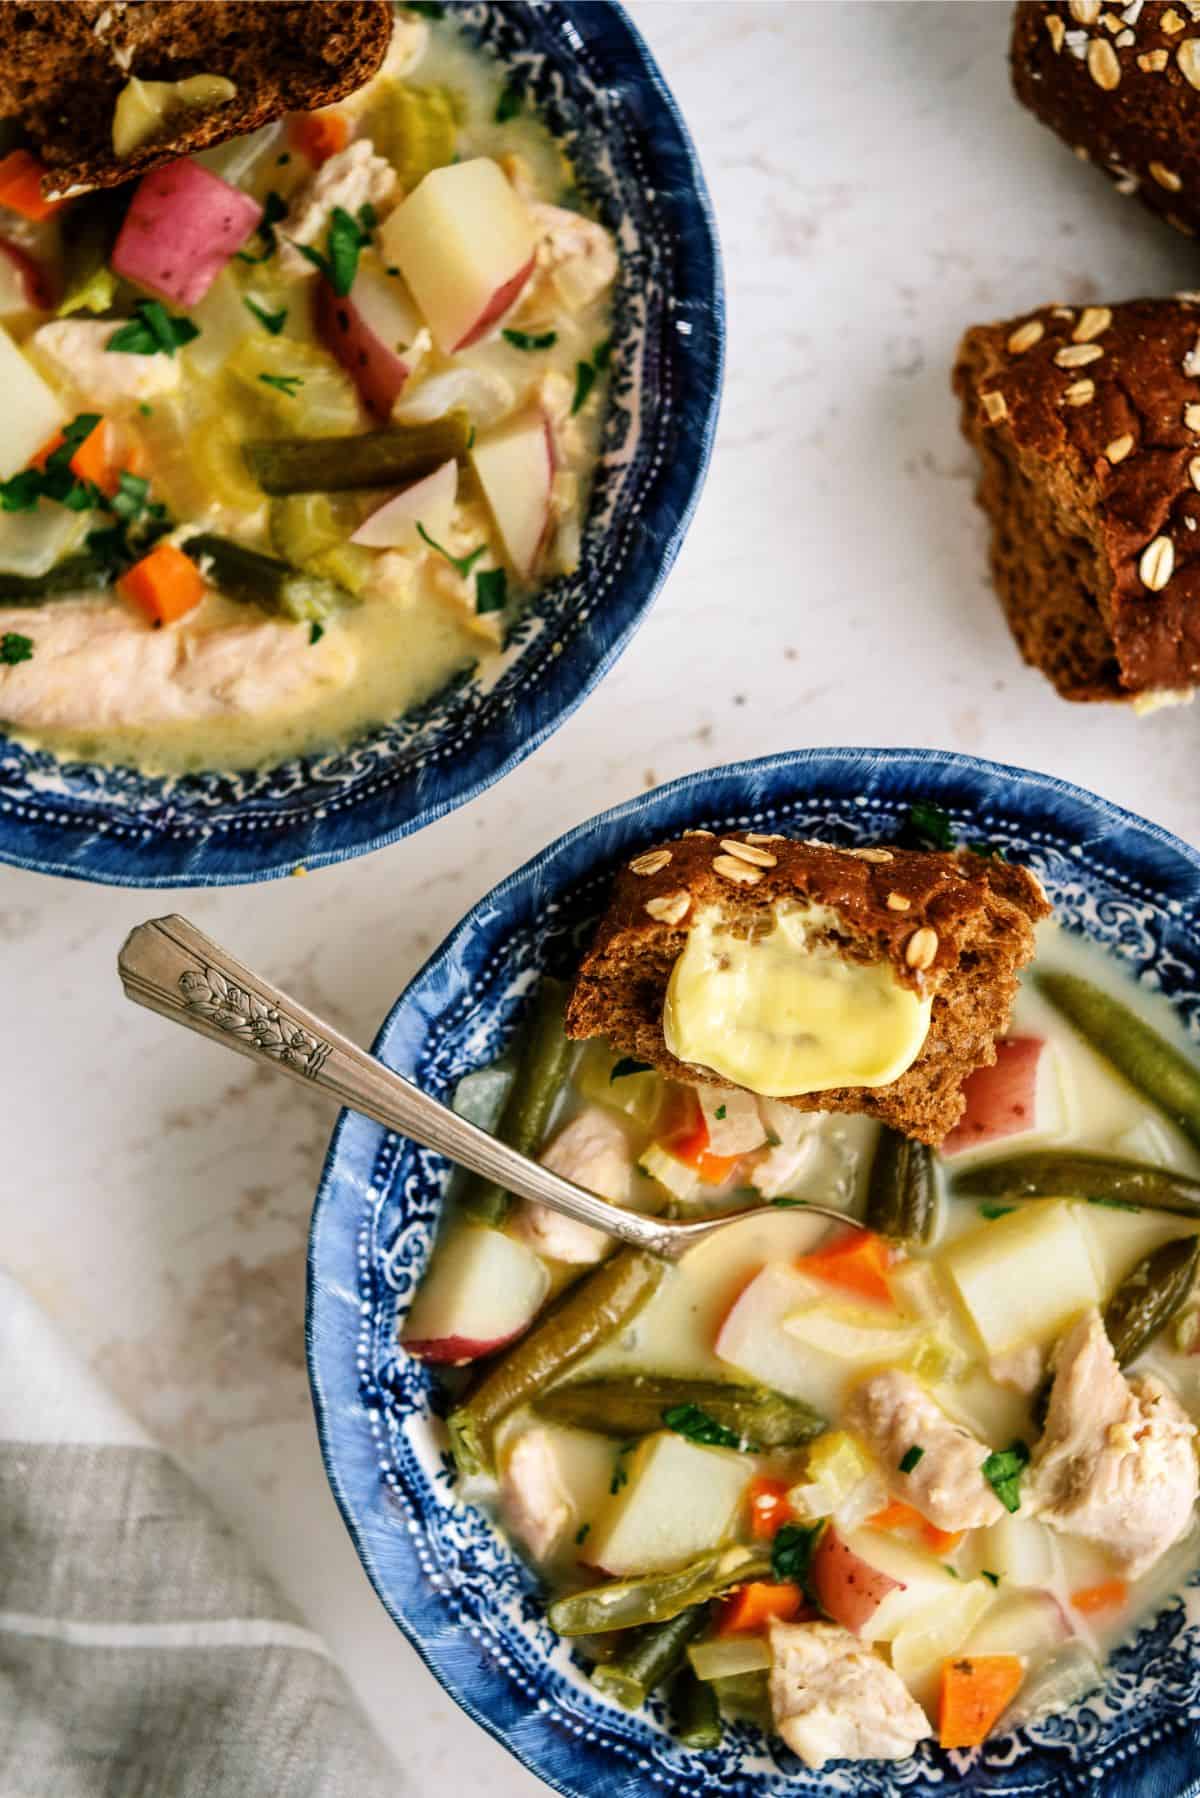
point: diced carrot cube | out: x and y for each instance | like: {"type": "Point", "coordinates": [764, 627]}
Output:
{"type": "Point", "coordinates": [974, 1695]}
{"type": "Point", "coordinates": [858, 1263]}
{"type": "Point", "coordinates": [769, 1507]}
{"type": "Point", "coordinates": [318, 135]}
{"type": "Point", "coordinates": [21, 186]}
{"type": "Point", "coordinates": [166, 584]}
{"type": "Point", "coordinates": [1109, 1595]}
{"type": "Point", "coordinates": [753, 1606]}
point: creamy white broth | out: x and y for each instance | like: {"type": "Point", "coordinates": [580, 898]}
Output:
{"type": "Point", "coordinates": [674, 1333]}
{"type": "Point", "coordinates": [407, 637]}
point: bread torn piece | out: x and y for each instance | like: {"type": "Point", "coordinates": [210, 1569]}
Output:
{"type": "Point", "coordinates": [959, 941]}
{"type": "Point", "coordinates": [1091, 484]}
{"type": "Point", "coordinates": [64, 67]}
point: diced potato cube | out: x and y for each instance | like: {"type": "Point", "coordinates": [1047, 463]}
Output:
{"type": "Point", "coordinates": [679, 1500]}
{"type": "Point", "coordinates": [1023, 1277]}
{"type": "Point", "coordinates": [33, 412]}
{"type": "Point", "coordinates": [924, 1583]}
{"type": "Point", "coordinates": [932, 1636]}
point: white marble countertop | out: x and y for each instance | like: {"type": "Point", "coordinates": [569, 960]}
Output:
{"type": "Point", "coordinates": [877, 190]}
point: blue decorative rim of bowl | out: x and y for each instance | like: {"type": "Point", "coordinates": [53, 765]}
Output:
{"type": "Point", "coordinates": [585, 68]}
{"type": "Point", "coordinates": [459, 1593]}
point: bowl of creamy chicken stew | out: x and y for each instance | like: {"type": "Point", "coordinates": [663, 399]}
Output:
{"type": "Point", "coordinates": [822, 1506]}
{"type": "Point", "coordinates": [325, 448]}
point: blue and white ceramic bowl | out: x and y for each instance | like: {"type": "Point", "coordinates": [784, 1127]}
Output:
{"type": "Point", "coordinates": [586, 70]}
{"type": "Point", "coordinates": [457, 1590]}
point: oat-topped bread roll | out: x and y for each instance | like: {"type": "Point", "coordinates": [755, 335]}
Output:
{"type": "Point", "coordinates": [1088, 423]}
{"type": "Point", "coordinates": [860, 980]}
{"type": "Point", "coordinates": [66, 66]}
{"type": "Point", "coordinates": [1121, 85]}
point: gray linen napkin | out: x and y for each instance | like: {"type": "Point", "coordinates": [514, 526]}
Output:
{"type": "Point", "coordinates": [142, 1654]}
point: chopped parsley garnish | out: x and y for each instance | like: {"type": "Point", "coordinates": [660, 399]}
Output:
{"type": "Point", "coordinates": [720, 1112]}
{"type": "Point", "coordinates": [507, 106]}
{"type": "Point", "coordinates": [530, 340]}
{"type": "Point", "coordinates": [283, 383]}
{"type": "Point", "coordinates": [315, 633]}
{"type": "Point", "coordinates": [274, 209]}
{"type": "Point", "coordinates": [427, 9]}
{"type": "Point", "coordinates": [628, 1065]}
{"type": "Point", "coordinates": [987, 1574]}
{"type": "Point", "coordinates": [792, 1551]}
{"type": "Point", "coordinates": [695, 1423]}
{"type": "Point", "coordinates": [270, 321]}
{"type": "Point", "coordinates": [620, 1471]}
{"type": "Point", "coordinates": [347, 237]}
{"type": "Point", "coordinates": [132, 496]}
{"type": "Point", "coordinates": [585, 380]}
{"type": "Point", "coordinates": [15, 648]}
{"type": "Point", "coordinates": [783, 1204]}
{"type": "Point", "coordinates": [55, 479]}
{"type": "Point", "coordinates": [991, 1212]}
{"type": "Point", "coordinates": [989, 852]}
{"type": "Point", "coordinates": [581, 1534]}
{"type": "Point", "coordinates": [145, 410]}
{"type": "Point", "coordinates": [773, 1141]}
{"type": "Point", "coordinates": [911, 1457]}
{"type": "Point", "coordinates": [602, 354]}
{"type": "Point", "coordinates": [281, 162]}
{"type": "Point", "coordinates": [952, 1571]}
{"type": "Point", "coordinates": [491, 590]}
{"type": "Point", "coordinates": [932, 824]}
{"type": "Point", "coordinates": [368, 218]}
{"type": "Point", "coordinates": [463, 564]}
{"type": "Point", "coordinates": [153, 331]}
{"type": "Point", "coordinates": [1002, 1471]}
{"type": "Point", "coordinates": [1114, 1204]}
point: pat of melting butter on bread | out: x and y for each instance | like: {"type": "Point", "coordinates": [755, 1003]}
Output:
{"type": "Point", "coordinates": [782, 1013]}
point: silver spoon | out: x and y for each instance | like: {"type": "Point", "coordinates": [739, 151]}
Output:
{"type": "Point", "coordinates": [173, 968]}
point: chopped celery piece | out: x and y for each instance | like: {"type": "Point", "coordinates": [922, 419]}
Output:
{"type": "Point", "coordinates": [728, 1657]}
{"type": "Point", "coordinates": [295, 385]}
{"type": "Point", "coordinates": [416, 128]}
{"type": "Point", "coordinates": [680, 1180]}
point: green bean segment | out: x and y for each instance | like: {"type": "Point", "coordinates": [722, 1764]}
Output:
{"type": "Point", "coordinates": [902, 1189]}
{"type": "Point", "coordinates": [387, 458]}
{"type": "Point", "coordinates": [654, 1654]}
{"type": "Point", "coordinates": [545, 1058]}
{"type": "Point", "coordinates": [1073, 1174]}
{"type": "Point", "coordinates": [1149, 1297]}
{"type": "Point", "coordinates": [696, 1712]}
{"type": "Point", "coordinates": [252, 578]}
{"type": "Point", "coordinates": [586, 1316]}
{"type": "Point", "coordinates": [634, 1404]}
{"type": "Point", "coordinates": [632, 1603]}
{"type": "Point", "coordinates": [1149, 1063]}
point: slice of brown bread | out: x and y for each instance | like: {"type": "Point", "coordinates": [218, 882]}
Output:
{"type": "Point", "coordinates": [973, 916]}
{"type": "Point", "coordinates": [1121, 85]}
{"type": "Point", "coordinates": [1087, 421]}
{"type": "Point", "coordinates": [64, 62]}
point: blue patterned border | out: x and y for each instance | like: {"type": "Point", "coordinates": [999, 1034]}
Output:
{"type": "Point", "coordinates": [458, 1592]}
{"type": "Point", "coordinates": [585, 68]}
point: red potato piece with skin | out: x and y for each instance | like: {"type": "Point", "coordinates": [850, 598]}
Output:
{"type": "Point", "coordinates": [183, 225]}
{"type": "Point", "coordinates": [501, 300]}
{"type": "Point", "coordinates": [24, 283]}
{"type": "Point", "coordinates": [481, 1291]}
{"type": "Point", "coordinates": [377, 371]}
{"type": "Point", "coordinates": [1001, 1100]}
{"type": "Point", "coordinates": [846, 1587]}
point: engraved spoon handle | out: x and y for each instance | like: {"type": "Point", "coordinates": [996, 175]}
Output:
{"type": "Point", "coordinates": [173, 968]}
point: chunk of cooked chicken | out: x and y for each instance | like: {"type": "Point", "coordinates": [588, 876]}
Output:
{"type": "Point", "coordinates": [351, 178]}
{"type": "Point", "coordinates": [575, 253]}
{"type": "Point", "coordinates": [96, 665]}
{"type": "Point", "coordinates": [74, 352]}
{"type": "Point", "coordinates": [1115, 1463]}
{"type": "Point", "coordinates": [832, 1699]}
{"type": "Point", "coordinates": [895, 1414]}
{"type": "Point", "coordinates": [593, 1151]}
{"type": "Point", "coordinates": [534, 1499]}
